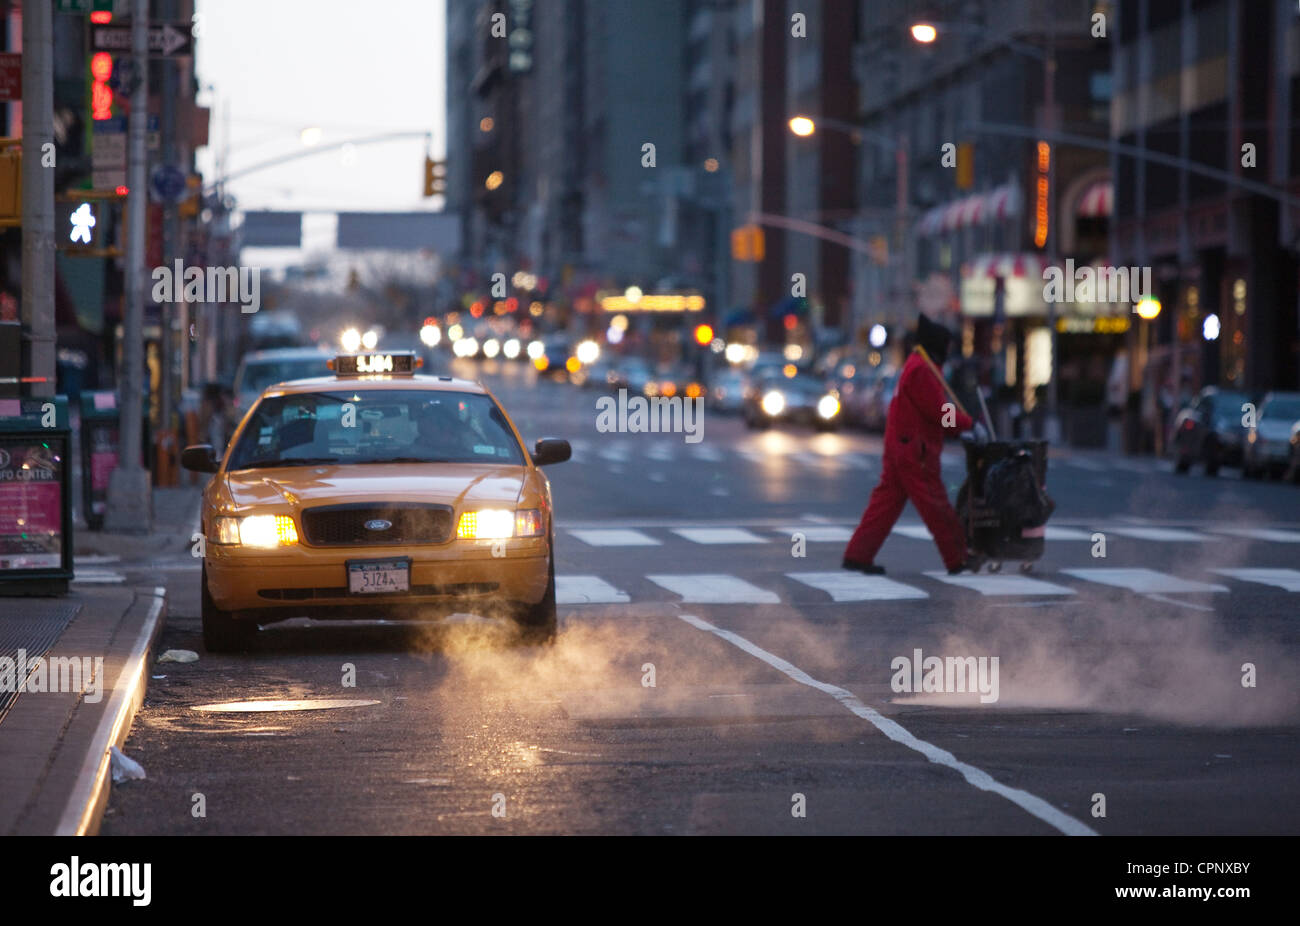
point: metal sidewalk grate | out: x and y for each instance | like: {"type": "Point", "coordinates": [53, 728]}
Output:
{"type": "Point", "coordinates": [31, 625]}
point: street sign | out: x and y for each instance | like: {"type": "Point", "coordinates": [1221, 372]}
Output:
{"type": "Point", "coordinates": [11, 76]}
{"type": "Point", "coordinates": [167, 183]}
{"type": "Point", "coordinates": [166, 40]}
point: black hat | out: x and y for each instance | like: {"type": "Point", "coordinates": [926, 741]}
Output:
{"type": "Point", "coordinates": [934, 337]}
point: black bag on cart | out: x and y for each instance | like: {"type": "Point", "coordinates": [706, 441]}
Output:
{"type": "Point", "coordinates": [1004, 503]}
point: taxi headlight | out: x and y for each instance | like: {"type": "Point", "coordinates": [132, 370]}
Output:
{"type": "Point", "coordinates": [773, 403]}
{"type": "Point", "coordinates": [267, 530]}
{"type": "Point", "coordinates": [828, 407]}
{"type": "Point", "coordinates": [492, 524]}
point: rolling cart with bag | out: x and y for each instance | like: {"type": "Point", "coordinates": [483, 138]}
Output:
{"type": "Point", "coordinates": [1003, 505]}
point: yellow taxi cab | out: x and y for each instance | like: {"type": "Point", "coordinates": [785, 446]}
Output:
{"type": "Point", "coordinates": [375, 492]}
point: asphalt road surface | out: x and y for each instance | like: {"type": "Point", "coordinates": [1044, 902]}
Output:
{"type": "Point", "coordinates": [716, 672]}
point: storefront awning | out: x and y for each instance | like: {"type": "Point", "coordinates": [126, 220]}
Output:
{"type": "Point", "coordinates": [1097, 200]}
{"type": "Point", "coordinates": [997, 205]}
{"type": "Point", "coordinates": [1024, 264]}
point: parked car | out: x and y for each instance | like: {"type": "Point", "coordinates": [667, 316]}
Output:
{"type": "Point", "coordinates": [1268, 443]}
{"type": "Point", "coordinates": [1209, 431]}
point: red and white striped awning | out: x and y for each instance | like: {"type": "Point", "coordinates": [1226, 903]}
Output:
{"type": "Point", "coordinates": [997, 205]}
{"type": "Point", "coordinates": [1025, 264]}
{"type": "Point", "coordinates": [1097, 200]}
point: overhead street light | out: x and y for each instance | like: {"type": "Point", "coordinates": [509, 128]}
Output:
{"type": "Point", "coordinates": [802, 126]}
{"type": "Point", "coordinates": [924, 32]}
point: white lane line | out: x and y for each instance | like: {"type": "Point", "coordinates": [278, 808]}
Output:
{"type": "Point", "coordinates": [587, 590]}
{"type": "Point", "coordinates": [1160, 534]}
{"type": "Point", "coordinates": [707, 454]}
{"type": "Point", "coordinates": [1066, 533]}
{"type": "Point", "coordinates": [128, 689]}
{"type": "Point", "coordinates": [815, 460]}
{"type": "Point", "coordinates": [818, 534]}
{"type": "Point", "coordinates": [97, 577]}
{"type": "Point", "coordinates": [659, 452]}
{"type": "Point", "coordinates": [615, 453]}
{"type": "Point", "coordinates": [715, 588]}
{"type": "Point", "coordinates": [1260, 533]}
{"type": "Point", "coordinates": [1142, 581]}
{"type": "Point", "coordinates": [718, 535]}
{"type": "Point", "coordinates": [1030, 803]}
{"type": "Point", "coordinates": [615, 537]}
{"type": "Point", "coordinates": [1002, 585]}
{"type": "Point", "coordinates": [1286, 579]}
{"type": "Point", "coordinates": [847, 586]}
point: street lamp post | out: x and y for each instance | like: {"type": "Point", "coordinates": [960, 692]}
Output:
{"type": "Point", "coordinates": [926, 32]}
{"type": "Point", "coordinates": [806, 126]}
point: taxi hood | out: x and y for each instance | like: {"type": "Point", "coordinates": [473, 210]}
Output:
{"type": "Point", "coordinates": [460, 485]}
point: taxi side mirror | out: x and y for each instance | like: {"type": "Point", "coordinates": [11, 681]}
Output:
{"type": "Point", "coordinates": [200, 458]}
{"type": "Point", "coordinates": [551, 450]}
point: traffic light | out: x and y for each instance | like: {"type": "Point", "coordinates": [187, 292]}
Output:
{"type": "Point", "coordinates": [965, 166]}
{"type": "Point", "coordinates": [435, 177]}
{"type": "Point", "coordinates": [748, 243]}
{"type": "Point", "coordinates": [703, 335]}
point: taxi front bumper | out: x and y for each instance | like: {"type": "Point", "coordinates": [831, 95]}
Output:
{"type": "Point", "coordinates": [299, 580]}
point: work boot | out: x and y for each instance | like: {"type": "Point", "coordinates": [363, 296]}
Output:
{"type": "Point", "coordinates": [870, 569]}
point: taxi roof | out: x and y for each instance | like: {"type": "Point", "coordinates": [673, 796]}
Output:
{"type": "Point", "coordinates": [377, 381]}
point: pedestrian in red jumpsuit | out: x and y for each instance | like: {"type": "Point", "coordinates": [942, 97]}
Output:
{"type": "Point", "coordinates": [914, 432]}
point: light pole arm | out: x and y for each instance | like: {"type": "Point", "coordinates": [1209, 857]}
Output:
{"type": "Point", "coordinates": [309, 152]}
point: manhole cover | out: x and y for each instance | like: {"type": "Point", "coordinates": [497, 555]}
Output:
{"type": "Point", "coordinates": [247, 707]}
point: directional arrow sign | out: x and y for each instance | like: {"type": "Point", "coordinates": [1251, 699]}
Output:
{"type": "Point", "coordinates": [166, 40]}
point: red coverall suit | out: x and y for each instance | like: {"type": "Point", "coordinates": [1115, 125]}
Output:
{"type": "Point", "coordinates": [913, 441]}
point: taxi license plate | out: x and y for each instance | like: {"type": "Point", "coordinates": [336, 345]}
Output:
{"type": "Point", "coordinates": [379, 577]}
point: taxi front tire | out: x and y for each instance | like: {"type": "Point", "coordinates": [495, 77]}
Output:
{"type": "Point", "coordinates": [537, 622]}
{"type": "Point", "coordinates": [221, 632]}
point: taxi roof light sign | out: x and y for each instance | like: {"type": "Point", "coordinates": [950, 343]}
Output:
{"type": "Point", "coordinates": [391, 364]}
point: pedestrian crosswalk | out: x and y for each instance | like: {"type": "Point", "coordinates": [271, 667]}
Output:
{"type": "Point", "coordinates": [847, 454]}
{"type": "Point", "coordinates": [816, 532]}
{"type": "Point", "coordinates": [843, 586]}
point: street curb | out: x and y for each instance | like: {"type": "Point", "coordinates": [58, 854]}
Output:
{"type": "Point", "coordinates": [85, 807]}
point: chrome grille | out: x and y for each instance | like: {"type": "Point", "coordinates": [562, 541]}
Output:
{"type": "Point", "coordinates": [345, 525]}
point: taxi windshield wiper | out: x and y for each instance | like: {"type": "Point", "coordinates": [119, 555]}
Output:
{"type": "Point", "coordinates": [413, 460]}
{"type": "Point", "coordinates": [288, 461]}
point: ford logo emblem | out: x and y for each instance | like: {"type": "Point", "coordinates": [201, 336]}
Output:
{"type": "Point", "coordinates": [378, 524]}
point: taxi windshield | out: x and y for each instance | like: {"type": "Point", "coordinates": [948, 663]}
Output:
{"type": "Point", "coordinates": [262, 373]}
{"type": "Point", "coordinates": [373, 426]}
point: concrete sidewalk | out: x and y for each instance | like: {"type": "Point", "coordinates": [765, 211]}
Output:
{"type": "Point", "coordinates": [54, 745]}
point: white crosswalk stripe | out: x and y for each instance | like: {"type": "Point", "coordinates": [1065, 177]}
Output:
{"type": "Point", "coordinates": [707, 454]}
{"type": "Point", "coordinates": [660, 452]}
{"type": "Point", "coordinates": [614, 453]}
{"type": "Point", "coordinates": [848, 586]}
{"type": "Point", "coordinates": [1286, 579]}
{"type": "Point", "coordinates": [715, 588]}
{"type": "Point", "coordinates": [1159, 534]}
{"type": "Point", "coordinates": [615, 537]}
{"type": "Point", "coordinates": [714, 535]}
{"type": "Point", "coordinates": [587, 590]}
{"type": "Point", "coordinates": [818, 533]}
{"type": "Point", "coordinates": [1066, 533]}
{"type": "Point", "coordinates": [1143, 581]}
{"type": "Point", "coordinates": [1260, 533]}
{"type": "Point", "coordinates": [997, 585]}
{"type": "Point", "coordinates": [915, 531]}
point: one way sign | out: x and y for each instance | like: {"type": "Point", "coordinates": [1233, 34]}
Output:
{"type": "Point", "coordinates": [166, 40]}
